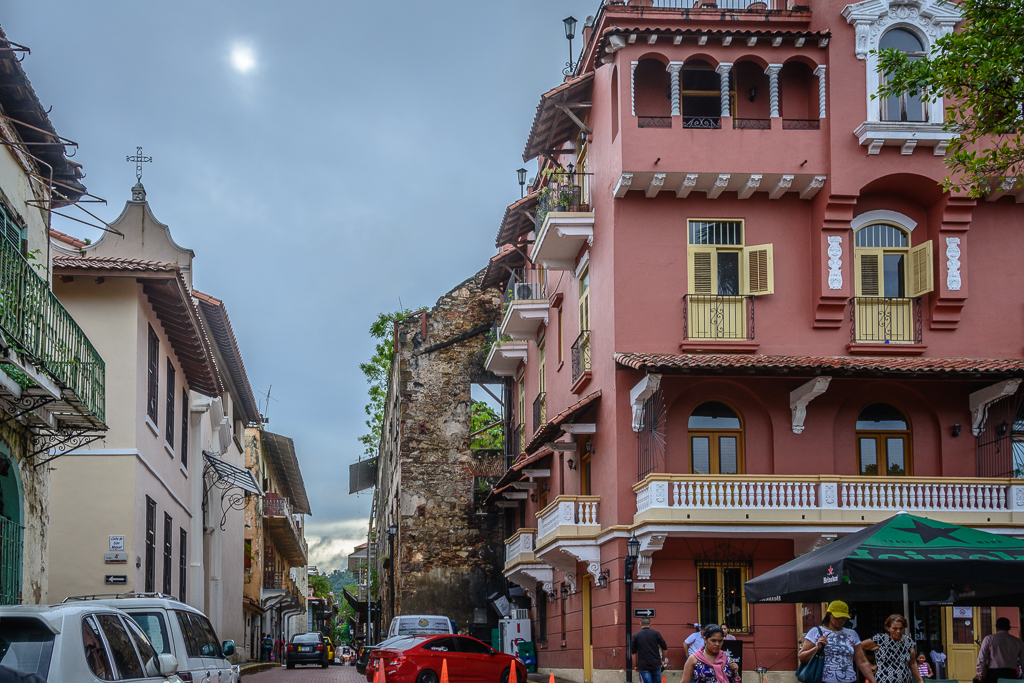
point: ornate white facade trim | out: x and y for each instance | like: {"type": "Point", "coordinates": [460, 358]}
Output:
{"type": "Point", "coordinates": [883, 216]}
{"type": "Point", "coordinates": [835, 262]}
{"type": "Point", "coordinates": [953, 264]}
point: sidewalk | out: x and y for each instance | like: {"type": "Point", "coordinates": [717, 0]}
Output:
{"type": "Point", "coordinates": [250, 668]}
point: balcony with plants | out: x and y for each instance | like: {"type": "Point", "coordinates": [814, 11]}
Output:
{"type": "Point", "coordinates": [524, 306]}
{"type": "Point", "coordinates": [284, 530]}
{"type": "Point", "coordinates": [504, 354]}
{"type": "Point", "coordinates": [565, 218]}
{"type": "Point", "coordinates": [49, 365]}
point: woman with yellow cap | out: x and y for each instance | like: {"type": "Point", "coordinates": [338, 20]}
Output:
{"type": "Point", "coordinates": [841, 646]}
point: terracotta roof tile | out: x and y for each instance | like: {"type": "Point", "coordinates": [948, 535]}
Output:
{"type": "Point", "coordinates": [551, 127]}
{"type": "Point", "coordinates": [67, 239]}
{"type": "Point", "coordinates": [496, 271]}
{"type": "Point", "coordinates": [671, 363]}
{"type": "Point", "coordinates": [224, 336]}
{"type": "Point", "coordinates": [516, 222]}
{"type": "Point", "coordinates": [110, 263]}
{"type": "Point", "coordinates": [552, 429]}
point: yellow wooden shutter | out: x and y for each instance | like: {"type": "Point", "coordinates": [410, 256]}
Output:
{"type": "Point", "coordinates": [869, 272]}
{"type": "Point", "coordinates": [922, 276]}
{"type": "Point", "coordinates": [759, 269]}
{"type": "Point", "coordinates": [703, 270]}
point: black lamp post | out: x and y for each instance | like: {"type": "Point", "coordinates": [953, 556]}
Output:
{"type": "Point", "coordinates": [392, 532]}
{"type": "Point", "coordinates": [632, 553]}
{"type": "Point", "coordinates": [570, 33]}
{"type": "Point", "coordinates": [522, 182]}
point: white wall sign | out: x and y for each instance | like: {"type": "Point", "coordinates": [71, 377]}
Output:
{"type": "Point", "coordinates": [117, 543]}
{"type": "Point", "coordinates": [643, 586]}
{"type": "Point", "coordinates": [963, 612]}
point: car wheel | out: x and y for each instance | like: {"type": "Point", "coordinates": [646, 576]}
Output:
{"type": "Point", "coordinates": [290, 665]}
{"type": "Point", "coordinates": [324, 665]}
{"type": "Point", "coordinates": [426, 676]}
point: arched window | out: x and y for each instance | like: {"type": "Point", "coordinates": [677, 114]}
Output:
{"type": "Point", "coordinates": [716, 439]}
{"type": "Point", "coordinates": [881, 252]}
{"type": "Point", "coordinates": [904, 107]}
{"type": "Point", "coordinates": [883, 442]}
{"type": "Point", "coordinates": [701, 95]}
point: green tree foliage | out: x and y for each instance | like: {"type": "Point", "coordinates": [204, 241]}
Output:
{"type": "Point", "coordinates": [321, 586]}
{"type": "Point", "coordinates": [376, 371]}
{"type": "Point", "coordinates": [980, 70]}
{"type": "Point", "coordinates": [482, 416]}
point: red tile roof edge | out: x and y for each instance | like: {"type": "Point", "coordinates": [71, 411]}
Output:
{"type": "Point", "coordinates": [552, 427]}
{"type": "Point", "coordinates": [111, 263]}
{"type": "Point", "coordinates": [896, 364]}
{"type": "Point", "coordinates": [67, 239]}
{"type": "Point", "coordinates": [224, 337]}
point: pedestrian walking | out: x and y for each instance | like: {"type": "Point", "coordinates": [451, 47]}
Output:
{"type": "Point", "coordinates": [923, 667]}
{"type": "Point", "coordinates": [843, 653]}
{"type": "Point", "coordinates": [694, 641]}
{"type": "Point", "coordinates": [266, 645]}
{"type": "Point", "coordinates": [648, 648]}
{"type": "Point", "coordinates": [895, 653]}
{"type": "Point", "coordinates": [710, 664]}
{"type": "Point", "coordinates": [1001, 654]}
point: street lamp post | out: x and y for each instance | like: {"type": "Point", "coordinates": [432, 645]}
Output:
{"type": "Point", "coordinates": [522, 182]}
{"type": "Point", "coordinates": [570, 33]}
{"type": "Point", "coordinates": [632, 552]}
{"type": "Point", "coordinates": [392, 532]}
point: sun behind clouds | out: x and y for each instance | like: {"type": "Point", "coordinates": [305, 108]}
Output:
{"type": "Point", "coordinates": [243, 58]}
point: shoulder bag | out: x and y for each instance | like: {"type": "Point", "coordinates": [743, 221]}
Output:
{"type": "Point", "coordinates": [811, 670]}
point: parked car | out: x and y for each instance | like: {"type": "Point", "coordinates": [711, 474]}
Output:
{"type": "Point", "coordinates": [419, 659]}
{"type": "Point", "coordinates": [179, 630]}
{"type": "Point", "coordinates": [80, 642]}
{"type": "Point", "coordinates": [419, 624]}
{"type": "Point", "coordinates": [307, 648]}
{"type": "Point", "coordinates": [367, 650]}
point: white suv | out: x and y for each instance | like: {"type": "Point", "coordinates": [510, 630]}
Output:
{"type": "Point", "coordinates": [180, 630]}
{"type": "Point", "coordinates": [78, 643]}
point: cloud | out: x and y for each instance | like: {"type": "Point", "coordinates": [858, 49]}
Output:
{"type": "Point", "coordinates": [331, 542]}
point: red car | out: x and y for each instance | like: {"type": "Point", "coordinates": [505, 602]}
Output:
{"type": "Point", "coordinates": [417, 659]}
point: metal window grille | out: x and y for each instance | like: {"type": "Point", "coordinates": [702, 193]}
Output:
{"type": "Point", "coordinates": [150, 545]}
{"type": "Point", "coordinates": [171, 386]}
{"type": "Point", "coordinates": [1001, 442]}
{"type": "Point", "coordinates": [652, 437]}
{"type": "Point", "coordinates": [538, 411]}
{"type": "Point", "coordinates": [153, 385]}
{"type": "Point", "coordinates": [182, 563]}
{"type": "Point", "coordinates": [11, 540]}
{"type": "Point", "coordinates": [707, 122]}
{"type": "Point", "coordinates": [581, 355]}
{"type": "Point", "coordinates": [801, 124]}
{"type": "Point", "coordinates": [753, 124]}
{"type": "Point", "coordinates": [720, 596]}
{"type": "Point", "coordinates": [716, 232]}
{"type": "Point", "coordinates": [654, 121]}
{"type": "Point", "coordinates": [880, 235]}
{"type": "Point", "coordinates": [168, 551]}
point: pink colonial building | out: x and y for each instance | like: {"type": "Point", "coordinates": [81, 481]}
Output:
{"type": "Point", "coordinates": [742, 319]}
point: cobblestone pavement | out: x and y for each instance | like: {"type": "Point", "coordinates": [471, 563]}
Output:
{"type": "Point", "coordinates": [307, 674]}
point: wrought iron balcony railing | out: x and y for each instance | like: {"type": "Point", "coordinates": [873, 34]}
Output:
{"type": "Point", "coordinates": [654, 121]}
{"type": "Point", "coordinates": [524, 285]}
{"type": "Point", "coordinates": [564, 191]}
{"type": "Point", "coordinates": [755, 124]}
{"type": "Point", "coordinates": [38, 325]}
{"type": "Point", "coordinates": [801, 124]}
{"type": "Point", "coordinates": [516, 445]}
{"type": "Point", "coordinates": [11, 534]}
{"type": "Point", "coordinates": [539, 412]}
{"type": "Point", "coordinates": [580, 355]}
{"type": "Point", "coordinates": [709, 316]}
{"type": "Point", "coordinates": [885, 320]}
{"type": "Point", "coordinates": [731, 5]}
{"type": "Point", "coordinates": [272, 580]}
{"type": "Point", "coordinates": [702, 122]}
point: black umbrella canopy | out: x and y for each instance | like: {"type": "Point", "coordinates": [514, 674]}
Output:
{"type": "Point", "coordinates": [937, 561]}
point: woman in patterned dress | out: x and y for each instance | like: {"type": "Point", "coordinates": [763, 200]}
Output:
{"type": "Point", "coordinates": [895, 653]}
{"type": "Point", "coordinates": [710, 664]}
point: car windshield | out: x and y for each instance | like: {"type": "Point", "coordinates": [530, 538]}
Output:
{"type": "Point", "coordinates": [306, 638]}
{"type": "Point", "coordinates": [25, 645]}
{"type": "Point", "coordinates": [412, 625]}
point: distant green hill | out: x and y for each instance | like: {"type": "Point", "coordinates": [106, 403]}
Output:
{"type": "Point", "coordinates": [339, 580]}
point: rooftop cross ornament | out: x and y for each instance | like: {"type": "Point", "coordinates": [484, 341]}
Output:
{"type": "Point", "coordinates": [139, 160]}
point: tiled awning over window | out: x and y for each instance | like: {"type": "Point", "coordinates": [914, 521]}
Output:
{"type": "Point", "coordinates": [552, 126]}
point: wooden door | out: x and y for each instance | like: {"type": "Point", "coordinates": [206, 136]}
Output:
{"type": "Point", "coordinates": [588, 634]}
{"type": "Point", "coordinates": [965, 629]}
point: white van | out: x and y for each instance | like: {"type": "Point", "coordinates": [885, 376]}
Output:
{"type": "Point", "coordinates": [181, 630]}
{"type": "Point", "coordinates": [419, 624]}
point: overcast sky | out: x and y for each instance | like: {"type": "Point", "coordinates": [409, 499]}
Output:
{"type": "Point", "coordinates": [324, 160]}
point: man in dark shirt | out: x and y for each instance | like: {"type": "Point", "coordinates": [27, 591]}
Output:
{"type": "Point", "coordinates": [649, 648]}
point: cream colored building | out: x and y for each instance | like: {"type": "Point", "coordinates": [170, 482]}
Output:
{"type": "Point", "coordinates": [166, 487]}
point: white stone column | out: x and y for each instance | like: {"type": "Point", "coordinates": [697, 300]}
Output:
{"type": "Point", "coordinates": [773, 88]}
{"type": "Point", "coordinates": [820, 73]}
{"type": "Point", "coordinates": [196, 588]}
{"type": "Point", "coordinates": [632, 87]}
{"type": "Point", "coordinates": [673, 70]}
{"type": "Point", "coordinates": [723, 70]}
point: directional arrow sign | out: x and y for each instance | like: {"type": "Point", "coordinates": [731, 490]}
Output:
{"type": "Point", "coordinates": [645, 612]}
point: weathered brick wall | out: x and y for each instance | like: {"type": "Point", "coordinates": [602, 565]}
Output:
{"type": "Point", "coordinates": [450, 557]}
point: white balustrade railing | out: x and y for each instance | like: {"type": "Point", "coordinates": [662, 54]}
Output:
{"type": "Point", "coordinates": [520, 544]}
{"type": "Point", "coordinates": [568, 511]}
{"type": "Point", "coordinates": [852, 493]}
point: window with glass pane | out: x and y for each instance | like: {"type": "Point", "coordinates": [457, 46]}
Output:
{"type": "Point", "coordinates": [720, 595]}
{"type": "Point", "coordinates": [883, 442]}
{"type": "Point", "coordinates": [905, 106]}
{"type": "Point", "coordinates": [716, 439]}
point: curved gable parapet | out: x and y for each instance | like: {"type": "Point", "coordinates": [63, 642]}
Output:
{"type": "Point", "coordinates": [871, 18]}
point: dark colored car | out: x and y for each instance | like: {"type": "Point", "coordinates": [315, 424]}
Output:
{"type": "Point", "coordinates": [419, 659]}
{"type": "Point", "coordinates": [307, 648]}
{"type": "Point", "coordinates": [367, 650]}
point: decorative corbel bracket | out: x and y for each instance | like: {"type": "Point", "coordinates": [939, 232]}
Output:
{"type": "Point", "coordinates": [649, 544]}
{"type": "Point", "coordinates": [981, 399]}
{"type": "Point", "coordinates": [801, 396]}
{"type": "Point", "coordinates": [639, 394]}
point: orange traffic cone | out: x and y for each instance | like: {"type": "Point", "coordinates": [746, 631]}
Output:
{"type": "Point", "coordinates": [444, 671]}
{"type": "Point", "coordinates": [552, 679]}
{"type": "Point", "coordinates": [380, 669]}
{"type": "Point", "coordinates": [664, 679]}
{"type": "Point", "coordinates": [512, 673]}
{"type": "Point", "coordinates": [376, 674]}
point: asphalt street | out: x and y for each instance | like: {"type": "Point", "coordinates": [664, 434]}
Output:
{"type": "Point", "coordinates": [307, 674]}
